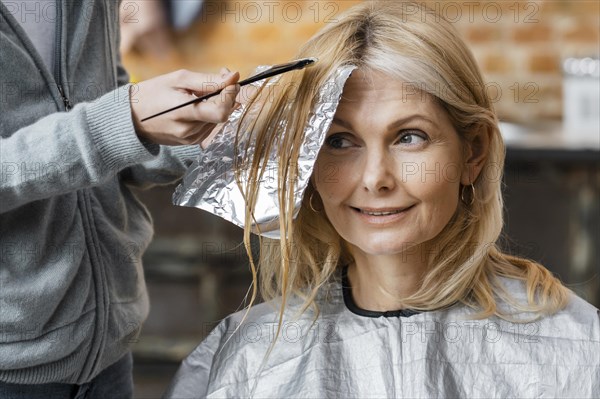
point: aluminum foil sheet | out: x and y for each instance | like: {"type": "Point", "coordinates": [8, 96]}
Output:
{"type": "Point", "coordinates": [439, 354]}
{"type": "Point", "coordinates": [209, 184]}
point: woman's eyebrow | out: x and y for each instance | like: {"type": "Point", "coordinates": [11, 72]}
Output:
{"type": "Point", "coordinates": [411, 118]}
{"type": "Point", "coordinates": [392, 126]}
{"type": "Point", "coordinates": [342, 123]}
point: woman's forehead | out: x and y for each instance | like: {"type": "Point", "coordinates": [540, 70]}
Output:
{"type": "Point", "coordinates": [373, 97]}
{"type": "Point", "coordinates": [374, 86]}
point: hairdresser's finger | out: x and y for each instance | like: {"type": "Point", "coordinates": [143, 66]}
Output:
{"type": "Point", "coordinates": [201, 84]}
{"type": "Point", "coordinates": [231, 78]}
{"type": "Point", "coordinates": [228, 97]}
{"type": "Point", "coordinates": [200, 132]}
{"type": "Point", "coordinates": [205, 135]}
{"type": "Point", "coordinates": [224, 72]}
{"type": "Point", "coordinates": [185, 133]}
{"type": "Point", "coordinates": [218, 108]}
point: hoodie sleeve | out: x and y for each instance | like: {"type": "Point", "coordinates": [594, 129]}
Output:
{"type": "Point", "coordinates": [68, 151]}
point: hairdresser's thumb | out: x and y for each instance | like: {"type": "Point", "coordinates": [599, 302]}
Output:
{"type": "Point", "coordinates": [202, 84]}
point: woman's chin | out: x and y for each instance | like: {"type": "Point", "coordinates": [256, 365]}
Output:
{"type": "Point", "coordinates": [386, 247]}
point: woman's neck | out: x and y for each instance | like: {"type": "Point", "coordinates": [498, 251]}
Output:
{"type": "Point", "coordinates": [380, 283]}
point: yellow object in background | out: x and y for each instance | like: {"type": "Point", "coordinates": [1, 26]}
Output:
{"type": "Point", "coordinates": [133, 78]}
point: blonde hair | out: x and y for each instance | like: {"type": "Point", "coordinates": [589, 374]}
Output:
{"type": "Point", "coordinates": [409, 42]}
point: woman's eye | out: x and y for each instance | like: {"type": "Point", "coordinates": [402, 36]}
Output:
{"type": "Point", "coordinates": [411, 138]}
{"type": "Point", "coordinates": [337, 141]}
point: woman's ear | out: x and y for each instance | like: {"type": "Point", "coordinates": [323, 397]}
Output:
{"type": "Point", "coordinates": [477, 148]}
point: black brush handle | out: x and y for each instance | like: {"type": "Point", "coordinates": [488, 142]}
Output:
{"type": "Point", "coordinates": [273, 71]}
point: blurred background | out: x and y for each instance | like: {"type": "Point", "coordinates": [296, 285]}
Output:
{"type": "Point", "coordinates": [540, 62]}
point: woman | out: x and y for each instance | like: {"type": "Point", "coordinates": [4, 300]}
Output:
{"type": "Point", "coordinates": [388, 283]}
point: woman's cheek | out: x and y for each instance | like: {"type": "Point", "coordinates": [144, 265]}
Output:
{"type": "Point", "coordinates": [427, 169]}
{"type": "Point", "coordinates": [332, 175]}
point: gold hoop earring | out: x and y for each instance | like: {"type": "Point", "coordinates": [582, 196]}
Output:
{"type": "Point", "coordinates": [462, 195]}
{"type": "Point", "coordinates": [310, 202]}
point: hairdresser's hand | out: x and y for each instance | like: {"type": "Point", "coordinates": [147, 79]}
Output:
{"type": "Point", "coordinates": [244, 96]}
{"type": "Point", "coordinates": [186, 125]}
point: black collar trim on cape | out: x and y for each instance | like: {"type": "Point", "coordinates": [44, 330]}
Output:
{"type": "Point", "coordinates": [349, 302]}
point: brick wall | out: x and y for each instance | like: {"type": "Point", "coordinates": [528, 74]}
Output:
{"type": "Point", "coordinates": [518, 44]}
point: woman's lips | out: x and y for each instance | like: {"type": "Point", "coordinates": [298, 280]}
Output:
{"type": "Point", "coordinates": [381, 215]}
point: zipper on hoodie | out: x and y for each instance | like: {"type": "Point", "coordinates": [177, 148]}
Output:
{"type": "Point", "coordinates": [65, 99]}
{"type": "Point", "coordinates": [58, 56]}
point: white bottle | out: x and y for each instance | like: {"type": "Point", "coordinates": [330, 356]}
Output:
{"type": "Point", "coordinates": [581, 97]}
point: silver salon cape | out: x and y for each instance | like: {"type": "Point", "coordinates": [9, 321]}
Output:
{"type": "Point", "coordinates": [349, 353]}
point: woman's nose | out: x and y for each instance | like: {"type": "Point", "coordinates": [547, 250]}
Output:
{"type": "Point", "coordinates": [378, 174]}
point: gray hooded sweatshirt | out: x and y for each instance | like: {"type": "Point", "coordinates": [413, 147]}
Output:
{"type": "Point", "coordinates": [72, 233]}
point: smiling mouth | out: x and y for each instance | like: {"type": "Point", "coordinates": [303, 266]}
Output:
{"type": "Point", "coordinates": [381, 212]}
